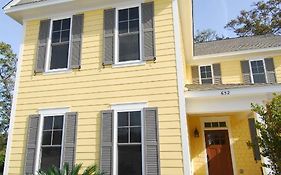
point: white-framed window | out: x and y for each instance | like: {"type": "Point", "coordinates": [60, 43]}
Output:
{"type": "Point", "coordinates": [206, 74]}
{"type": "Point", "coordinates": [128, 35]}
{"type": "Point", "coordinates": [51, 145]}
{"type": "Point", "coordinates": [128, 139]}
{"type": "Point", "coordinates": [50, 138]}
{"type": "Point", "coordinates": [58, 53]}
{"type": "Point", "coordinates": [258, 71]}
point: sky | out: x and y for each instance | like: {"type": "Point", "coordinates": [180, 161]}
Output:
{"type": "Point", "coordinates": [208, 14]}
{"type": "Point", "coordinates": [215, 14]}
{"type": "Point", "coordinates": [10, 30]}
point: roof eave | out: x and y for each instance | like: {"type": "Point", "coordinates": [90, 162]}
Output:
{"type": "Point", "coordinates": [19, 12]}
{"type": "Point", "coordinates": [273, 50]}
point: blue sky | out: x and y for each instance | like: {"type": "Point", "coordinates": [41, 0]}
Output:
{"type": "Point", "coordinates": [10, 31]}
{"type": "Point", "coordinates": [213, 14]}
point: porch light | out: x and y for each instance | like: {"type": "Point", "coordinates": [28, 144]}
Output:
{"type": "Point", "coordinates": [196, 133]}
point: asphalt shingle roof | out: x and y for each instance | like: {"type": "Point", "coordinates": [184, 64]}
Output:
{"type": "Point", "coordinates": [237, 44]}
{"type": "Point", "coordinates": [207, 87]}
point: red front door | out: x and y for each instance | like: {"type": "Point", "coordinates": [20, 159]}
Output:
{"type": "Point", "coordinates": [218, 152]}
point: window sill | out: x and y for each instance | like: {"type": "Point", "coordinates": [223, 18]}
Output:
{"type": "Point", "coordinates": [57, 71]}
{"type": "Point", "coordinates": [128, 64]}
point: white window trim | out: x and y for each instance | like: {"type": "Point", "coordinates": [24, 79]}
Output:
{"type": "Point", "coordinates": [199, 72]}
{"type": "Point", "coordinates": [49, 42]}
{"type": "Point", "coordinates": [264, 67]}
{"type": "Point", "coordinates": [230, 137]}
{"type": "Point", "coordinates": [126, 107]}
{"type": "Point", "coordinates": [116, 41]}
{"type": "Point", "coordinates": [44, 113]}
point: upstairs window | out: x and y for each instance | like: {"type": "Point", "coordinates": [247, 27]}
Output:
{"type": "Point", "coordinates": [51, 148]}
{"type": "Point", "coordinates": [60, 42]}
{"type": "Point", "coordinates": [206, 74]}
{"type": "Point", "coordinates": [258, 71]}
{"type": "Point", "coordinates": [129, 34]}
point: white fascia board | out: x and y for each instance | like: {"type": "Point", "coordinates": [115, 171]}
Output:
{"type": "Point", "coordinates": [11, 9]}
{"type": "Point", "coordinates": [234, 92]}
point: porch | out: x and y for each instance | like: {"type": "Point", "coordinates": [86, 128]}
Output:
{"type": "Point", "coordinates": [219, 120]}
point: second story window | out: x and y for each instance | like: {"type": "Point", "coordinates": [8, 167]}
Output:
{"type": "Point", "coordinates": [128, 34]}
{"type": "Point", "coordinates": [59, 49]}
{"type": "Point", "coordinates": [206, 75]}
{"type": "Point", "coordinates": [258, 71]}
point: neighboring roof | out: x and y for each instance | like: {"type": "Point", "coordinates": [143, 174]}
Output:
{"type": "Point", "coordinates": [237, 44]}
{"type": "Point", "coordinates": [208, 87]}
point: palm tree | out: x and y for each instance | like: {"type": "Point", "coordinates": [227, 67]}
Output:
{"type": "Point", "coordinates": [91, 170]}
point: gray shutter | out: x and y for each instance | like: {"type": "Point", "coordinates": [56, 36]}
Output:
{"type": "Point", "coordinates": [217, 73]}
{"type": "Point", "coordinates": [246, 72]}
{"type": "Point", "coordinates": [42, 45]}
{"type": "Point", "coordinates": [195, 74]}
{"type": "Point", "coordinates": [106, 149]}
{"type": "Point", "coordinates": [148, 31]}
{"type": "Point", "coordinates": [76, 41]}
{"type": "Point", "coordinates": [254, 140]}
{"type": "Point", "coordinates": [109, 30]}
{"type": "Point", "coordinates": [69, 140]}
{"type": "Point", "coordinates": [31, 144]}
{"type": "Point", "coordinates": [270, 70]}
{"type": "Point", "coordinates": [151, 142]}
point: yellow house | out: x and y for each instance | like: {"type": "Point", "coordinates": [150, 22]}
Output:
{"type": "Point", "coordinates": [120, 84]}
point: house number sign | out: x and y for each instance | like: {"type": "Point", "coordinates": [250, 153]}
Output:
{"type": "Point", "coordinates": [225, 92]}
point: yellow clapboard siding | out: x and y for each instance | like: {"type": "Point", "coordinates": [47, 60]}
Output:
{"type": "Point", "coordinates": [277, 64]}
{"type": "Point", "coordinates": [231, 72]}
{"type": "Point", "coordinates": [94, 88]}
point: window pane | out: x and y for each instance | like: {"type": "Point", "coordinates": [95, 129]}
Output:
{"type": "Point", "coordinates": [129, 48]}
{"type": "Point", "coordinates": [59, 57]}
{"type": "Point", "coordinates": [122, 118]}
{"type": "Point", "coordinates": [57, 137]}
{"type": "Point", "coordinates": [123, 27]}
{"type": "Point", "coordinates": [203, 75]}
{"type": "Point", "coordinates": [206, 81]}
{"type": "Point", "coordinates": [55, 37]}
{"type": "Point", "coordinates": [122, 135]}
{"type": "Point", "coordinates": [48, 123]}
{"type": "Point", "coordinates": [135, 135]}
{"type": "Point", "coordinates": [259, 78]}
{"type": "Point", "coordinates": [208, 68]}
{"type": "Point", "coordinates": [134, 26]}
{"type": "Point", "coordinates": [134, 13]}
{"type": "Point", "coordinates": [129, 160]}
{"type": "Point", "coordinates": [65, 36]}
{"type": "Point", "coordinates": [50, 157]}
{"type": "Point", "coordinates": [123, 15]}
{"type": "Point", "coordinates": [58, 122]}
{"type": "Point", "coordinates": [215, 124]}
{"type": "Point", "coordinates": [222, 124]}
{"type": "Point", "coordinates": [135, 118]}
{"type": "Point", "coordinates": [47, 136]}
{"type": "Point", "coordinates": [57, 25]}
{"type": "Point", "coordinates": [66, 24]}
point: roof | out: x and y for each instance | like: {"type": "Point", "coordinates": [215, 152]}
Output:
{"type": "Point", "coordinates": [237, 44]}
{"type": "Point", "coordinates": [207, 87]}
